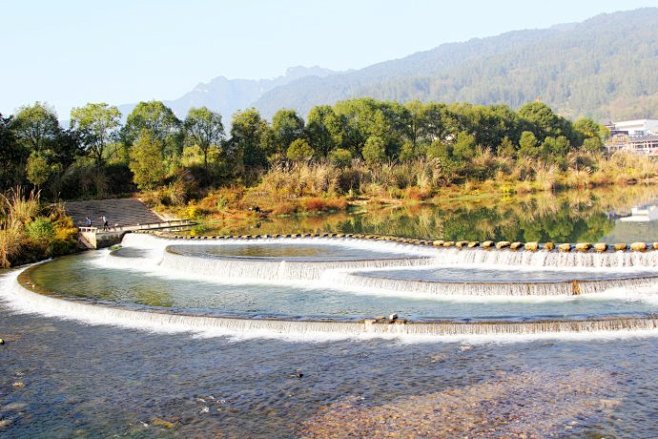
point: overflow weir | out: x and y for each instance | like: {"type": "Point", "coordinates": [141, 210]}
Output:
{"type": "Point", "coordinates": [367, 264]}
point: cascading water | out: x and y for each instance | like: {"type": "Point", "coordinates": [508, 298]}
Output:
{"type": "Point", "coordinates": [331, 284]}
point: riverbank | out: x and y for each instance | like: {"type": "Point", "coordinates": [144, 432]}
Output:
{"type": "Point", "coordinates": [457, 213]}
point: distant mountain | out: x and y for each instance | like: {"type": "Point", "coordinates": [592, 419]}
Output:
{"type": "Point", "coordinates": [605, 67]}
{"type": "Point", "coordinates": [229, 95]}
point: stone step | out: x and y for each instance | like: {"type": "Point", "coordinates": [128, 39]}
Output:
{"type": "Point", "coordinates": [120, 211]}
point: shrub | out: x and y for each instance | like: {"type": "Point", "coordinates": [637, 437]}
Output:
{"type": "Point", "coordinates": [40, 230]}
{"type": "Point", "coordinates": [340, 158]}
{"type": "Point", "coordinates": [299, 151]}
{"type": "Point", "coordinates": [318, 204]}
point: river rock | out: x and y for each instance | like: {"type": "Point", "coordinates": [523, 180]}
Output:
{"type": "Point", "coordinates": [502, 244]}
{"type": "Point", "coordinates": [548, 246]}
{"type": "Point", "coordinates": [487, 244]}
{"type": "Point", "coordinates": [583, 246]}
{"type": "Point", "coordinates": [2, 341]}
{"type": "Point", "coordinates": [565, 247]}
{"type": "Point", "coordinates": [620, 246]}
{"type": "Point", "coordinates": [438, 243]}
{"type": "Point", "coordinates": [460, 244]}
{"type": "Point", "coordinates": [473, 244]}
{"type": "Point", "coordinates": [531, 246]}
{"type": "Point", "coordinates": [516, 245]}
{"type": "Point", "coordinates": [600, 247]}
{"type": "Point", "coordinates": [639, 246]}
{"type": "Point", "coordinates": [448, 243]}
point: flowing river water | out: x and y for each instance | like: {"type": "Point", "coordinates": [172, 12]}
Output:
{"type": "Point", "coordinates": [171, 338]}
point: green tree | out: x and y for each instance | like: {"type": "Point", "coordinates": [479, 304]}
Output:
{"type": "Point", "coordinates": [146, 161]}
{"type": "Point", "coordinates": [299, 151]}
{"type": "Point", "coordinates": [36, 127]}
{"type": "Point", "coordinates": [96, 124]}
{"type": "Point", "coordinates": [287, 127]}
{"type": "Point", "coordinates": [204, 128]}
{"type": "Point", "coordinates": [12, 156]}
{"type": "Point", "coordinates": [251, 138]}
{"type": "Point", "coordinates": [156, 117]}
{"type": "Point", "coordinates": [591, 134]}
{"type": "Point", "coordinates": [325, 130]}
{"type": "Point", "coordinates": [528, 145]}
{"type": "Point", "coordinates": [464, 147]}
{"type": "Point", "coordinates": [374, 151]}
{"type": "Point", "coordinates": [38, 170]}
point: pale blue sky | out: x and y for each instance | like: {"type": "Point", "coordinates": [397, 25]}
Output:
{"type": "Point", "coordinates": [71, 52]}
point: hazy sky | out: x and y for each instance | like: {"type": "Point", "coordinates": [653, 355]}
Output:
{"type": "Point", "coordinates": [70, 52]}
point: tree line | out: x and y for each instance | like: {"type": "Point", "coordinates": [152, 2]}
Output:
{"type": "Point", "coordinates": [98, 155]}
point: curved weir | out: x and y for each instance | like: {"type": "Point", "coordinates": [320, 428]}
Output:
{"type": "Point", "coordinates": [442, 281]}
{"type": "Point", "coordinates": [270, 268]}
{"type": "Point", "coordinates": [336, 288]}
{"type": "Point", "coordinates": [28, 297]}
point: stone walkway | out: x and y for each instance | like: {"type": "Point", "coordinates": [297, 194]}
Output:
{"type": "Point", "coordinates": [120, 211]}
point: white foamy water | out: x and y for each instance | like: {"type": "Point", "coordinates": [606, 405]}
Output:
{"type": "Point", "coordinates": [154, 257]}
{"type": "Point", "coordinates": [163, 259]}
{"type": "Point", "coordinates": [23, 300]}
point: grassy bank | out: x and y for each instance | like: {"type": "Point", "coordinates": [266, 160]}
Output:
{"type": "Point", "coordinates": [31, 231]}
{"type": "Point", "coordinates": [319, 188]}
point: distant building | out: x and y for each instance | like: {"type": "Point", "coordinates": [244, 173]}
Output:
{"type": "Point", "coordinates": [640, 136]}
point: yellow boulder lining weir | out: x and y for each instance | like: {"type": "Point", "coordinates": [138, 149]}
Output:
{"type": "Point", "coordinates": [565, 247]}
{"type": "Point", "coordinates": [582, 247]}
{"type": "Point", "coordinates": [600, 247]}
{"type": "Point", "coordinates": [531, 246]}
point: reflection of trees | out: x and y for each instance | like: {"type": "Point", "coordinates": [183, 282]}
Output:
{"type": "Point", "coordinates": [574, 215]}
{"type": "Point", "coordinates": [153, 298]}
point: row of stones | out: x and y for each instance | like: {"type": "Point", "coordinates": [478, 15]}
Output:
{"type": "Point", "coordinates": [500, 245]}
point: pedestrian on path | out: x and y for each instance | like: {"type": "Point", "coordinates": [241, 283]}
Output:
{"type": "Point", "coordinates": [104, 220]}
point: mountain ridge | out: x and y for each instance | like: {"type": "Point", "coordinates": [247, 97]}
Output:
{"type": "Point", "coordinates": [604, 67]}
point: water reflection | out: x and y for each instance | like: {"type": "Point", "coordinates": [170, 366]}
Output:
{"type": "Point", "coordinates": [568, 216]}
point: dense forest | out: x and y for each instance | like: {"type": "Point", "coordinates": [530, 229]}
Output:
{"type": "Point", "coordinates": [605, 67]}
{"type": "Point", "coordinates": [98, 156]}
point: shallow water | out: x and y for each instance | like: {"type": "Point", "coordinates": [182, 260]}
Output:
{"type": "Point", "coordinates": [308, 252]}
{"type": "Point", "coordinates": [99, 381]}
{"type": "Point", "coordinates": [83, 277]}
